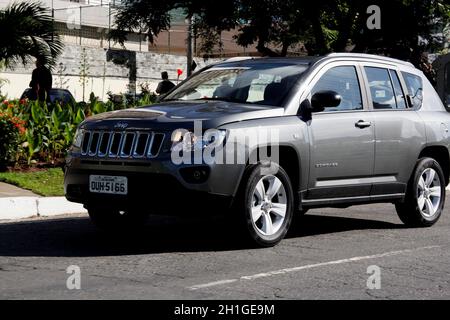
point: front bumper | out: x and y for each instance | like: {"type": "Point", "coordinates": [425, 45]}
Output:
{"type": "Point", "coordinates": [156, 185]}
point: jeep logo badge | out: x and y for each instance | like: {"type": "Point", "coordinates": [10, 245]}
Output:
{"type": "Point", "coordinates": [121, 125]}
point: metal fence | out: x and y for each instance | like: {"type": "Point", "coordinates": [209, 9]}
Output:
{"type": "Point", "coordinates": [87, 22]}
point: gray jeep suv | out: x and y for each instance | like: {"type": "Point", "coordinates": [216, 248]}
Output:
{"type": "Point", "coordinates": [265, 139]}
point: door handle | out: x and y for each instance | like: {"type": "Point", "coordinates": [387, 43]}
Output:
{"type": "Point", "coordinates": [363, 124]}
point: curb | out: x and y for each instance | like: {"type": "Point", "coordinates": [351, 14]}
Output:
{"type": "Point", "coordinates": [28, 207]}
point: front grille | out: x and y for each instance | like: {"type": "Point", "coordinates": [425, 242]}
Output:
{"type": "Point", "coordinates": [121, 144]}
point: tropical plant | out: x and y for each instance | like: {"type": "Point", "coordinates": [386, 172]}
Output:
{"type": "Point", "coordinates": [28, 31]}
{"type": "Point", "coordinates": [37, 132]}
{"type": "Point", "coordinates": [61, 80]}
{"type": "Point", "coordinates": [83, 71]}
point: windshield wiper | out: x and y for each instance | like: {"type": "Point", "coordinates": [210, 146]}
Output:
{"type": "Point", "coordinates": [173, 99]}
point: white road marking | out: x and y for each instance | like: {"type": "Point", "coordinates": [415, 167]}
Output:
{"type": "Point", "coordinates": [212, 284]}
{"type": "Point", "coordinates": [308, 266]}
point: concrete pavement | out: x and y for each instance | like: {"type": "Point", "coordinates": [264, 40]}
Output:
{"type": "Point", "coordinates": [8, 190]}
{"type": "Point", "coordinates": [327, 255]}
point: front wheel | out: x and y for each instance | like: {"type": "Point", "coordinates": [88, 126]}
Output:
{"type": "Point", "coordinates": [266, 205]}
{"type": "Point", "coordinates": [425, 195]}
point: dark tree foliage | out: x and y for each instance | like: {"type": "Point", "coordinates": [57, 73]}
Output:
{"type": "Point", "coordinates": [146, 17]}
{"type": "Point", "coordinates": [27, 31]}
{"type": "Point", "coordinates": [274, 27]}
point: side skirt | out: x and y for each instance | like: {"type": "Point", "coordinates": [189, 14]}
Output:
{"type": "Point", "coordinates": [349, 201]}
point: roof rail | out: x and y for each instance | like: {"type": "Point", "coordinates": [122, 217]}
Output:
{"type": "Point", "coordinates": [368, 56]}
{"type": "Point", "coordinates": [234, 59]}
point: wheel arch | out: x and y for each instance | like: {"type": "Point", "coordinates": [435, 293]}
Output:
{"type": "Point", "coordinates": [441, 155]}
{"type": "Point", "coordinates": [288, 159]}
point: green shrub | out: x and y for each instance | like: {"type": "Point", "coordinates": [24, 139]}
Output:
{"type": "Point", "coordinates": [33, 131]}
{"type": "Point", "coordinates": [11, 129]}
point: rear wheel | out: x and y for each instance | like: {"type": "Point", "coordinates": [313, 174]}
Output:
{"type": "Point", "coordinates": [114, 219]}
{"type": "Point", "coordinates": [266, 205]}
{"type": "Point", "coordinates": [425, 195]}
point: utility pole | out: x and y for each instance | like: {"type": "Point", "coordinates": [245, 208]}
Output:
{"type": "Point", "coordinates": [109, 24]}
{"type": "Point", "coordinates": [53, 21]}
{"type": "Point", "coordinates": [189, 46]}
{"type": "Point", "coordinates": [81, 26]}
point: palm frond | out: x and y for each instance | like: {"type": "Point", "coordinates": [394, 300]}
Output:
{"type": "Point", "coordinates": [28, 31]}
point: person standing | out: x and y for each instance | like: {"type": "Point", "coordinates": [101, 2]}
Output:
{"type": "Point", "coordinates": [41, 81]}
{"type": "Point", "coordinates": [165, 85]}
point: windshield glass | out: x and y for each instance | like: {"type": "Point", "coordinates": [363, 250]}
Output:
{"type": "Point", "coordinates": [258, 83]}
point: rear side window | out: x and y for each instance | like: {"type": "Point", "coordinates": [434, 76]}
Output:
{"type": "Point", "coordinates": [414, 87]}
{"type": "Point", "coordinates": [399, 96]}
{"type": "Point", "coordinates": [381, 88]}
{"type": "Point", "coordinates": [344, 81]}
{"type": "Point", "coordinates": [447, 84]}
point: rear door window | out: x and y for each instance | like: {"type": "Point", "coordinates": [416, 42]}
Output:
{"type": "Point", "coordinates": [381, 88]}
{"type": "Point", "coordinates": [415, 88]}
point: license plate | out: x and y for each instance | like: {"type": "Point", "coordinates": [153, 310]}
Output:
{"type": "Point", "coordinates": [108, 184]}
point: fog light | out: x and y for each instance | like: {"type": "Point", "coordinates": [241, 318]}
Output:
{"type": "Point", "coordinates": [195, 174]}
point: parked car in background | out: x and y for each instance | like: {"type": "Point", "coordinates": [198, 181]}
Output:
{"type": "Point", "coordinates": [62, 96]}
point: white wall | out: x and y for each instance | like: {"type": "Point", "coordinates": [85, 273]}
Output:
{"type": "Point", "coordinates": [103, 75]}
{"type": "Point", "coordinates": [67, 11]}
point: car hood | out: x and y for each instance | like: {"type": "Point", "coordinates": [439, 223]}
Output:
{"type": "Point", "coordinates": [183, 114]}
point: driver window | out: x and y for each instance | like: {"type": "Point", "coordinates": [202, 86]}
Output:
{"type": "Point", "coordinates": [344, 81]}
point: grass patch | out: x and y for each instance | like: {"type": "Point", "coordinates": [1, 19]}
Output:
{"type": "Point", "coordinates": [43, 182]}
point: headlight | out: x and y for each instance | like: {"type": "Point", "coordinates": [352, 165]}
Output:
{"type": "Point", "coordinates": [78, 138]}
{"type": "Point", "coordinates": [187, 141]}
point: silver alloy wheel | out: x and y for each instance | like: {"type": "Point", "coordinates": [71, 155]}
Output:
{"type": "Point", "coordinates": [429, 192]}
{"type": "Point", "coordinates": [269, 205]}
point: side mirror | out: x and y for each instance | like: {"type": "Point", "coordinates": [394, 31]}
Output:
{"type": "Point", "coordinates": [325, 99]}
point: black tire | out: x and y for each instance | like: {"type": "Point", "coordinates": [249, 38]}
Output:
{"type": "Point", "coordinates": [408, 211]}
{"type": "Point", "coordinates": [245, 200]}
{"type": "Point", "coordinates": [108, 219]}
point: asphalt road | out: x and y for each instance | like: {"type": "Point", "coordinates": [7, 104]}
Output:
{"type": "Point", "coordinates": [326, 256]}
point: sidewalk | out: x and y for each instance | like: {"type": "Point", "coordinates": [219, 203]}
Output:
{"type": "Point", "coordinates": [17, 203]}
{"type": "Point", "coordinates": [8, 190]}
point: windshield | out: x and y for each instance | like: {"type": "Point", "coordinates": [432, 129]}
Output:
{"type": "Point", "coordinates": [258, 83]}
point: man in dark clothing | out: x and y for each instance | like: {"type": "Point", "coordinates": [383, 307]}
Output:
{"type": "Point", "coordinates": [224, 90]}
{"type": "Point", "coordinates": [41, 81]}
{"type": "Point", "coordinates": [166, 85]}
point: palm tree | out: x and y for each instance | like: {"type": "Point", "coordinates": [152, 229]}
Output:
{"type": "Point", "coordinates": [28, 31]}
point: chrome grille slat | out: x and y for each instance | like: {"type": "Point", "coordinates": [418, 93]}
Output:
{"type": "Point", "coordinates": [104, 136]}
{"type": "Point", "coordinates": [93, 143]}
{"type": "Point", "coordinates": [149, 147]}
{"type": "Point", "coordinates": [113, 150]}
{"type": "Point", "coordinates": [154, 149]}
{"type": "Point", "coordinates": [121, 144]}
{"type": "Point", "coordinates": [127, 148]}
{"type": "Point", "coordinates": [140, 147]}
{"type": "Point", "coordinates": [85, 142]}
